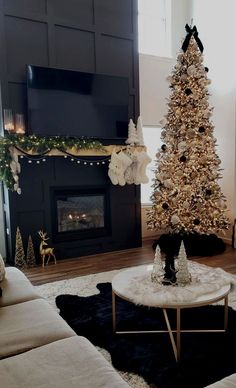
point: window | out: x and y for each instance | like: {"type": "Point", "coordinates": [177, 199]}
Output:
{"type": "Point", "coordinates": [152, 141]}
{"type": "Point", "coordinates": [154, 25]}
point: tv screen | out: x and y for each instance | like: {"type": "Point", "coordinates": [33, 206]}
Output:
{"type": "Point", "coordinates": [71, 103]}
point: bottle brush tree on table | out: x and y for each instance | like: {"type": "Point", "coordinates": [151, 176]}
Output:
{"type": "Point", "coordinates": [186, 198]}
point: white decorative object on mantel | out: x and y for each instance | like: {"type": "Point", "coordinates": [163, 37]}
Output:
{"type": "Point", "coordinates": [139, 128]}
{"type": "Point", "coordinates": [132, 134]}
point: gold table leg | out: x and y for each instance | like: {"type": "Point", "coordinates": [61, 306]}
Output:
{"type": "Point", "coordinates": [113, 311]}
{"type": "Point", "coordinates": [178, 334]}
{"type": "Point", "coordinates": [176, 344]}
{"type": "Point", "coordinates": [226, 313]}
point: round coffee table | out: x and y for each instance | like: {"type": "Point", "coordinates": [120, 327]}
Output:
{"type": "Point", "coordinates": [127, 283]}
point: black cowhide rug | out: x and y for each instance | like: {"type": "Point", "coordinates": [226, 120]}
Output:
{"type": "Point", "coordinates": [205, 357]}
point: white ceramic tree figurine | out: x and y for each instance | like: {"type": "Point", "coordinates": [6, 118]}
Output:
{"type": "Point", "coordinates": [139, 129]}
{"type": "Point", "coordinates": [157, 271]}
{"type": "Point", "coordinates": [183, 276]}
{"type": "Point", "coordinates": [132, 134]}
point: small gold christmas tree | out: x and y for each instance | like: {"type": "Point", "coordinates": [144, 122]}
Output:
{"type": "Point", "coordinates": [30, 256]}
{"type": "Point", "coordinates": [19, 251]}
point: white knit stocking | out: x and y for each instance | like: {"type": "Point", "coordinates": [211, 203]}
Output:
{"type": "Point", "coordinates": [124, 162]}
{"type": "Point", "coordinates": [130, 172]}
{"type": "Point", "coordinates": [113, 168]}
{"type": "Point", "coordinates": [142, 161]}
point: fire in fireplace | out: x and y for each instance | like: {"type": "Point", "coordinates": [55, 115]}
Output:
{"type": "Point", "coordinates": [80, 212]}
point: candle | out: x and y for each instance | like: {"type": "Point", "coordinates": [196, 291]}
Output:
{"type": "Point", "coordinates": [19, 124]}
{"type": "Point", "coordinates": [8, 120]}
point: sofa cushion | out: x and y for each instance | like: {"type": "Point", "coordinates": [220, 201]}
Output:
{"type": "Point", "coordinates": [72, 362]}
{"type": "Point", "coordinates": [16, 288]}
{"type": "Point", "coordinates": [227, 382]}
{"type": "Point", "coordinates": [27, 325]}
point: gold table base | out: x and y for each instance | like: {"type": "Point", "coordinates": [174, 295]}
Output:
{"type": "Point", "coordinates": [176, 342]}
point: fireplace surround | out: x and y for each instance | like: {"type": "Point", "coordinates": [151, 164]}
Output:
{"type": "Point", "coordinates": [35, 209]}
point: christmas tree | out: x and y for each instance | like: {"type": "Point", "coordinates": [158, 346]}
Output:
{"type": "Point", "coordinates": [183, 276]}
{"type": "Point", "coordinates": [30, 256]}
{"type": "Point", "coordinates": [19, 252]}
{"type": "Point", "coordinates": [187, 198]}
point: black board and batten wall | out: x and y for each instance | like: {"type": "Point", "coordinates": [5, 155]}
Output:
{"type": "Point", "coordinates": [97, 36]}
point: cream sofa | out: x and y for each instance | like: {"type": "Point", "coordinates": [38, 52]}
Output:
{"type": "Point", "coordinates": [39, 349]}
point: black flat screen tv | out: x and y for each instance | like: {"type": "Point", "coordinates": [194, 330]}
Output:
{"type": "Point", "coordinates": [72, 103]}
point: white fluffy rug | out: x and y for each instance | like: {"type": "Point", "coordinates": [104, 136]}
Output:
{"type": "Point", "coordinates": [86, 286]}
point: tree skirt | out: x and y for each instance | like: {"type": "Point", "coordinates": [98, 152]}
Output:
{"type": "Point", "coordinates": [205, 357]}
{"type": "Point", "coordinates": [195, 244]}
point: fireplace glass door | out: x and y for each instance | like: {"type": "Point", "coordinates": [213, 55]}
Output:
{"type": "Point", "coordinates": [80, 212]}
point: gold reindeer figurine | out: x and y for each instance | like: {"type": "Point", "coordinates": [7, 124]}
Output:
{"type": "Point", "coordinates": [45, 251]}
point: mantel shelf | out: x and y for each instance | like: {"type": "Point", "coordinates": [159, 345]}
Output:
{"type": "Point", "coordinates": [107, 150]}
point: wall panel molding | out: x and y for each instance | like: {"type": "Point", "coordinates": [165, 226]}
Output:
{"type": "Point", "coordinates": [85, 35]}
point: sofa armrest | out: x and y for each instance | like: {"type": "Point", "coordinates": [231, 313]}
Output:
{"type": "Point", "coordinates": [16, 288]}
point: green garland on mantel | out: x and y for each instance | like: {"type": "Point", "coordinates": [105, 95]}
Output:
{"type": "Point", "coordinates": [39, 146]}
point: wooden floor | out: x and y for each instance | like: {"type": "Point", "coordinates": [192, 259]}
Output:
{"type": "Point", "coordinates": [70, 268]}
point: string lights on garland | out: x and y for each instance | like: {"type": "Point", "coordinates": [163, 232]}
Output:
{"type": "Point", "coordinates": [37, 148]}
{"type": "Point", "coordinates": [81, 160]}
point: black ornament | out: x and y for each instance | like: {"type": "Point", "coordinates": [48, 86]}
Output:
{"type": "Point", "coordinates": [165, 205]}
{"type": "Point", "coordinates": [188, 91]}
{"type": "Point", "coordinates": [183, 158]}
{"type": "Point", "coordinates": [208, 192]}
{"type": "Point", "coordinates": [163, 147]}
{"type": "Point", "coordinates": [206, 69]}
{"type": "Point", "coordinates": [201, 129]}
{"type": "Point", "coordinates": [196, 221]}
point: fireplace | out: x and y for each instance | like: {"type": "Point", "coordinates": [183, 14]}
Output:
{"type": "Point", "coordinates": [80, 212]}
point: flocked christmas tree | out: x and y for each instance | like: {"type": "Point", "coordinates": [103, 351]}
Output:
{"type": "Point", "coordinates": [132, 134]}
{"type": "Point", "coordinates": [187, 197]}
{"type": "Point", "coordinates": [19, 251]}
{"type": "Point", "coordinates": [139, 129]}
{"type": "Point", "coordinates": [183, 276]}
{"type": "Point", "coordinates": [30, 256]}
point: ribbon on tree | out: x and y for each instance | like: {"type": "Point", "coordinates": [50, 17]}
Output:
{"type": "Point", "coordinates": [192, 32]}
